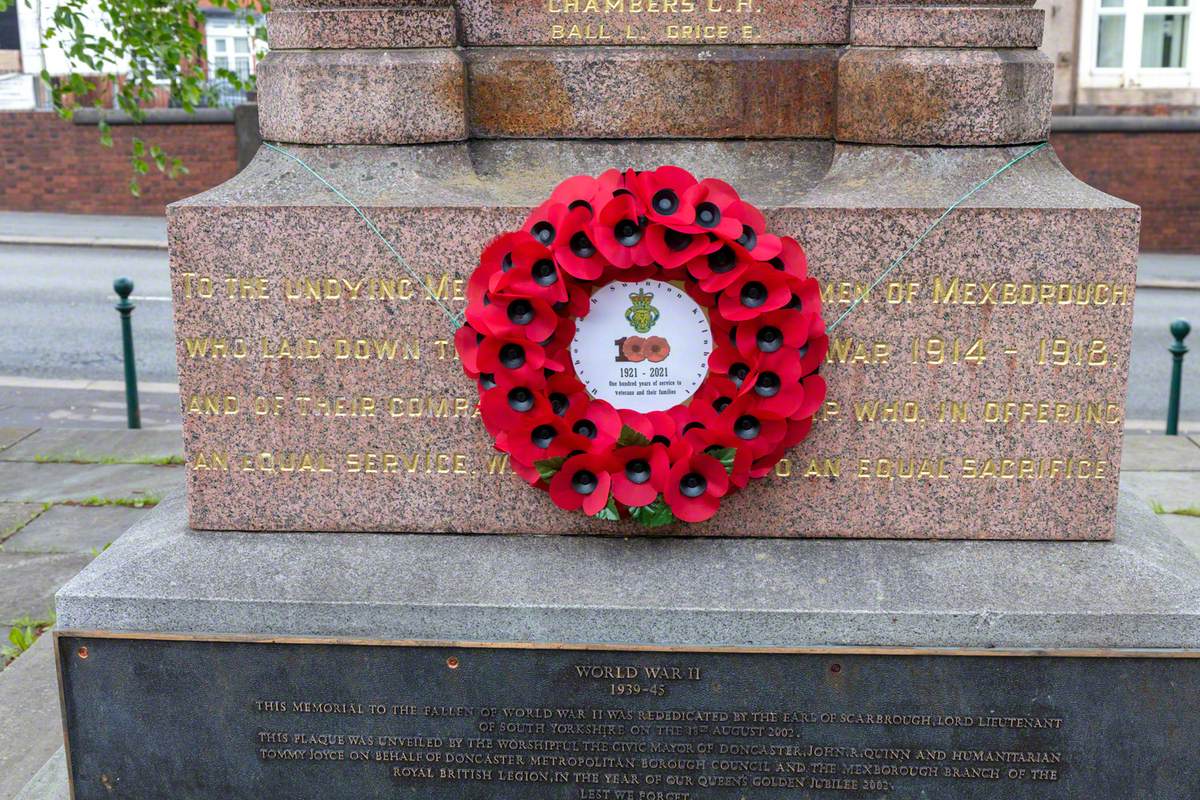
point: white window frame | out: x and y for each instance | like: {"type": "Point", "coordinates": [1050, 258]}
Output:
{"type": "Point", "coordinates": [1131, 74]}
{"type": "Point", "coordinates": [228, 29]}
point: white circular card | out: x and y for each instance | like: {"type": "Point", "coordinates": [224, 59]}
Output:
{"type": "Point", "coordinates": [643, 346]}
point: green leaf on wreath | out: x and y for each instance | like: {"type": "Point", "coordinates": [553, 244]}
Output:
{"type": "Point", "coordinates": [549, 467]}
{"type": "Point", "coordinates": [725, 455]}
{"type": "Point", "coordinates": [631, 438]}
{"type": "Point", "coordinates": [609, 511]}
{"type": "Point", "coordinates": [654, 515]}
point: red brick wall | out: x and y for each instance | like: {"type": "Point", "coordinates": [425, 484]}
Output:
{"type": "Point", "coordinates": [1158, 170]}
{"type": "Point", "coordinates": [48, 164]}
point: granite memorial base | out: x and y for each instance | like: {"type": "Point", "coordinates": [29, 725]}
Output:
{"type": "Point", "coordinates": [981, 384]}
{"type": "Point", "coordinates": [226, 665]}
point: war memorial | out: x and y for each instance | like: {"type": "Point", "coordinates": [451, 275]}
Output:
{"type": "Point", "coordinates": [646, 400]}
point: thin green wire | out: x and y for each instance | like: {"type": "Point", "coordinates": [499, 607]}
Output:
{"type": "Point", "coordinates": [455, 318]}
{"type": "Point", "coordinates": [916, 243]}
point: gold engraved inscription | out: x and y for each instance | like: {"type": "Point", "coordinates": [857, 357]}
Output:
{"type": "Point", "coordinates": [963, 291]}
{"type": "Point", "coordinates": [672, 21]}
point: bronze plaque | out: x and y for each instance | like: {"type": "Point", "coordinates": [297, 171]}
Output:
{"type": "Point", "coordinates": [231, 718]}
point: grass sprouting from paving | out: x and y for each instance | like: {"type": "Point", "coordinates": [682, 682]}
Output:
{"type": "Point", "coordinates": [79, 457]}
{"type": "Point", "coordinates": [1187, 511]}
{"type": "Point", "coordinates": [21, 636]}
{"type": "Point", "coordinates": [9, 532]}
{"type": "Point", "coordinates": [143, 501]}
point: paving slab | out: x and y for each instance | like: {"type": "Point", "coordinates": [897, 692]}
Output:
{"type": "Point", "coordinates": [1172, 489]}
{"type": "Point", "coordinates": [1186, 528]}
{"type": "Point", "coordinates": [50, 782]}
{"type": "Point", "coordinates": [126, 446]}
{"type": "Point", "coordinates": [32, 727]}
{"type": "Point", "coordinates": [74, 529]}
{"type": "Point", "coordinates": [42, 483]}
{"type": "Point", "coordinates": [1142, 452]}
{"type": "Point", "coordinates": [28, 582]}
{"type": "Point", "coordinates": [66, 404]}
{"type": "Point", "coordinates": [10, 436]}
{"type": "Point", "coordinates": [14, 516]}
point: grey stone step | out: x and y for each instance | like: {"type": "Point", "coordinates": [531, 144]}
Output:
{"type": "Point", "coordinates": [32, 727]}
{"type": "Point", "coordinates": [50, 782]}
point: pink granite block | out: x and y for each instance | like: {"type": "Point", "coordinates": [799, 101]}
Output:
{"type": "Point", "coordinates": [930, 96]}
{"type": "Point", "coordinates": [361, 28]}
{"type": "Point", "coordinates": [959, 446]}
{"type": "Point", "coordinates": [776, 92]}
{"type": "Point", "coordinates": [947, 26]}
{"type": "Point", "coordinates": [362, 96]}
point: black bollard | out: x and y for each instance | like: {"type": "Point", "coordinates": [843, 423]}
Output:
{"type": "Point", "coordinates": [124, 287]}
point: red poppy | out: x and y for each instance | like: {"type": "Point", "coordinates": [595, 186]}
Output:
{"type": "Point", "coordinates": [565, 391]}
{"type": "Point", "coordinates": [639, 474]}
{"type": "Point", "coordinates": [814, 350]}
{"type": "Point", "coordinates": [663, 195]}
{"type": "Point", "coordinates": [540, 277]}
{"type": "Point", "coordinates": [716, 204]}
{"type": "Point", "coordinates": [652, 424]}
{"type": "Point", "coordinates": [757, 434]}
{"type": "Point", "coordinates": [774, 385]}
{"type": "Point", "coordinates": [578, 302]}
{"type": "Point", "coordinates": [597, 422]}
{"type": "Point", "coordinates": [505, 408]}
{"type": "Point", "coordinates": [716, 270]}
{"type": "Point", "coordinates": [791, 259]}
{"type": "Point", "coordinates": [815, 392]}
{"type": "Point", "coordinates": [757, 291]}
{"type": "Point", "coordinates": [510, 316]}
{"type": "Point", "coordinates": [728, 361]}
{"type": "Point", "coordinates": [671, 249]}
{"type": "Point", "coordinates": [714, 396]}
{"type": "Point", "coordinates": [513, 362]}
{"type": "Point", "coordinates": [466, 344]}
{"type": "Point", "coordinates": [771, 332]}
{"type": "Point", "coordinates": [580, 188]}
{"type": "Point", "coordinates": [754, 240]}
{"type": "Point", "coordinates": [545, 223]}
{"type": "Point", "coordinates": [709, 441]}
{"type": "Point", "coordinates": [695, 487]}
{"type": "Point", "coordinates": [543, 436]}
{"type": "Point", "coordinates": [620, 235]}
{"type": "Point", "coordinates": [582, 483]}
{"type": "Point", "coordinates": [505, 253]}
{"type": "Point", "coordinates": [574, 248]}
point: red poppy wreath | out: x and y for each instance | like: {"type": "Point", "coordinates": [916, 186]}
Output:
{"type": "Point", "coordinates": [610, 418]}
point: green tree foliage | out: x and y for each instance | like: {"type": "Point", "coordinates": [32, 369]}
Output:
{"type": "Point", "coordinates": [142, 47]}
